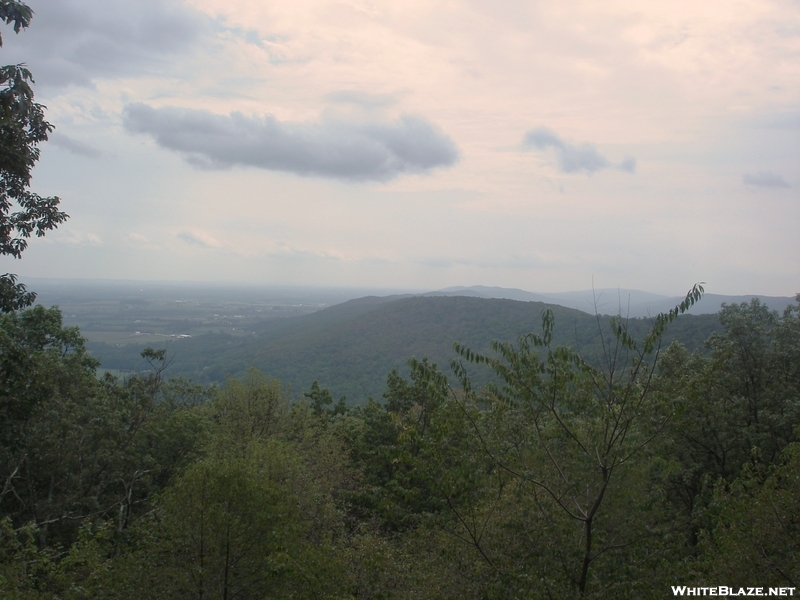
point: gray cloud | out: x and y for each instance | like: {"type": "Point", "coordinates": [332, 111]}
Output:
{"type": "Point", "coordinates": [74, 146]}
{"type": "Point", "coordinates": [75, 41]}
{"type": "Point", "coordinates": [765, 179]}
{"type": "Point", "coordinates": [628, 165]}
{"type": "Point", "coordinates": [573, 158]}
{"type": "Point", "coordinates": [337, 149]}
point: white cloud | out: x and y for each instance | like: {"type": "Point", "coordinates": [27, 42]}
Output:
{"type": "Point", "coordinates": [77, 238]}
{"type": "Point", "coordinates": [199, 238]}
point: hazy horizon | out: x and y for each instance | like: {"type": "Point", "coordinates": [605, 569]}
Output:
{"type": "Point", "coordinates": [31, 283]}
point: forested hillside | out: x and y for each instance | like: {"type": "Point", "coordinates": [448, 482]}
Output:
{"type": "Point", "coordinates": [350, 347]}
{"type": "Point", "coordinates": [620, 477]}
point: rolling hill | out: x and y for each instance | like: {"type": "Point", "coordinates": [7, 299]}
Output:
{"type": "Point", "coordinates": [351, 347]}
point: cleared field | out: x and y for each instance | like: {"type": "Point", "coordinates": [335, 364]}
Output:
{"type": "Point", "coordinates": [123, 313]}
{"type": "Point", "coordinates": [123, 339]}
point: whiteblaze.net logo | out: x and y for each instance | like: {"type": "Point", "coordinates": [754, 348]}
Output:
{"type": "Point", "coordinates": [725, 591]}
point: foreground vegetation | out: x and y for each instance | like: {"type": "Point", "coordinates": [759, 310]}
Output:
{"type": "Point", "coordinates": [660, 467]}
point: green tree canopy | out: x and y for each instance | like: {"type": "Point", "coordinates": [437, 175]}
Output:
{"type": "Point", "coordinates": [22, 128]}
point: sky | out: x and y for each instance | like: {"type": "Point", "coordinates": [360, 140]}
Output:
{"type": "Point", "coordinates": [547, 146]}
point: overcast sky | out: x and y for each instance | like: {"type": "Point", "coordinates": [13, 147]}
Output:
{"type": "Point", "coordinates": [548, 146]}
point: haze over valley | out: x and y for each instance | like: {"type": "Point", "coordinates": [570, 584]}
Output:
{"type": "Point", "coordinates": [347, 339]}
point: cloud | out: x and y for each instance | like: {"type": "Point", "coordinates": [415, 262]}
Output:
{"type": "Point", "coordinates": [336, 149]}
{"type": "Point", "coordinates": [78, 238]}
{"type": "Point", "coordinates": [628, 165]}
{"type": "Point", "coordinates": [199, 238]}
{"type": "Point", "coordinates": [573, 158]}
{"type": "Point", "coordinates": [138, 237]}
{"type": "Point", "coordinates": [786, 120]}
{"type": "Point", "coordinates": [72, 42]}
{"type": "Point", "coordinates": [765, 179]}
{"type": "Point", "coordinates": [74, 146]}
{"type": "Point", "coordinates": [285, 252]}
{"type": "Point", "coordinates": [362, 99]}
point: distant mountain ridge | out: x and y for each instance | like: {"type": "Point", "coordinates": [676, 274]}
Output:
{"type": "Point", "coordinates": [351, 347]}
{"type": "Point", "coordinates": [611, 301]}
{"type": "Point", "coordinates": [347, 340]}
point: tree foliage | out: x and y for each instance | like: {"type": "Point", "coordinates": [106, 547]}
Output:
{"type": "Point", "coordinates": [563, 479]}
{"type": "Point", "coordinates": [570, 437]}
{"type": "Point", "coordinates": [756, 524]}
{"type": "Point", "coordinates": [17, 12]}
{"type": "Point", "coordinates": [22, 128]}
{"type": "Point", "coordinates": [737, 406]}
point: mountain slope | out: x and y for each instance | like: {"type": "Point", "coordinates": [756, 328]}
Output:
{"type": "Point", "coordinates": [612, 301]}
{"type": "Point", "coordinates": [351, 347]}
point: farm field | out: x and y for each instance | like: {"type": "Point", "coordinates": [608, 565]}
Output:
{"type": "Point", "coordinates": [122, 313]}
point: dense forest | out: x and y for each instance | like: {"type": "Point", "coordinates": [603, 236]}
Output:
{"type": "Point", "coordinates": [651, 467]}
{"type": "Point", "coordinates": [350, 347]}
